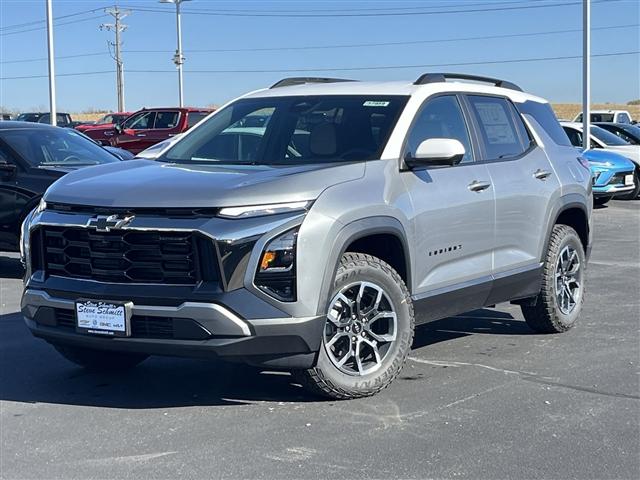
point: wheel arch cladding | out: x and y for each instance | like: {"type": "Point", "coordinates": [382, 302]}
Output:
{"type": "Point", "coordinates": [575, 216]}
{"type": "Point", "coordinates": [382, 237]}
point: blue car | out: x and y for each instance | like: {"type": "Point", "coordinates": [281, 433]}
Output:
{"type": "Point", "coordinates": [612, 174]}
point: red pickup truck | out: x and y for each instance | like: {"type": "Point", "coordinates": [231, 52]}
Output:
{"type": "Point", "coordinates": [103, 129]}
{"type": "Point", "coordinates": [152, 125]}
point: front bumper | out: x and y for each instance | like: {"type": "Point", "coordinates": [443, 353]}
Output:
{"type": "Point", "coordinates": [609, 190]}
{"type": "Point", "coordinates": [191, 329]}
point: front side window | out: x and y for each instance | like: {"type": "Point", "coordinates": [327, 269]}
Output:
{"type": "Point", "coordinates": [141, 121]}
{"type": "Point", "coordinates": [293, 130]}
{"type": "Point", "coordinates": [55, 147]}
{"type": "Point", "coordinates": [440, 117]}
{"type": "Point", "coordinates": [623, 118]}
{"type": "Point", "coordinates": [501, 128]}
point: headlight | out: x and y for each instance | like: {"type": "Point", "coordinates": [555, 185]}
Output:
{"type": "Point", "coordinates": [24, 238]}
{"type": "Point", "coordinates": [276, 274]}
{"type": "Point", "coordinates": [42, 206]}
{"type": "Point", "coordinates": [261, 210]}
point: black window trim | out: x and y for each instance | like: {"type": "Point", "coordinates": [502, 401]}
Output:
{"type": "Point", "coordinates": [514, 111]}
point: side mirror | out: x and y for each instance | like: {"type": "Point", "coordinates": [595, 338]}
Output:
{"type": "Point", "coordinates": [437, 151]}
{"type": "Point", "coordinates": [7, 170]}
{"type": "Point", "coordinates": [118, 128]}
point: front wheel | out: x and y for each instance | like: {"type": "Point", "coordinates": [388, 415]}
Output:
{"type": "Point", "coordinates": [100, 360]}
{"type": "Point", "coordinates": [368, 331]}
{"type": "Point", "coordinates": [557, 306]}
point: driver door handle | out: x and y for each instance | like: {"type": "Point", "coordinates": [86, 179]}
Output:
{"type": "Point", "coordinates": [541, 174]}
{"type": "Point", "coordinates": [477, 186]}
{"type": "Point", "coordinates": [141, 134]}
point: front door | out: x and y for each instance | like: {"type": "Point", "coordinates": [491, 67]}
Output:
{"type": "Point", "coordinates": [453, 217]}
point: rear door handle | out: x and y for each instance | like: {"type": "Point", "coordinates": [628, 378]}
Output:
{"type": "Point", "coordinates": [541, 174]}
{"type": "Point", "coordinates": [477, 186]}
{"type": "Point", "coordinates": [141, 134]}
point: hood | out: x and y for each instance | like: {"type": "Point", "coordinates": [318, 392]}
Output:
{"type": "Point", "coordinates": [606, 159]}
{"type": "Point", "coordinates": [146, 183]}
{"type": "Point", "coordinates": [630, 151]}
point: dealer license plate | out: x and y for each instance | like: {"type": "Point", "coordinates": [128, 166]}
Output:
{"type": "Point", "coordinates": [628, 179]}
{"type": "Point", "coordinates": [104, 318]}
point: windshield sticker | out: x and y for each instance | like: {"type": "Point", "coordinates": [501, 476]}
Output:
{"type": "Point", "coordinates": [375, 103]}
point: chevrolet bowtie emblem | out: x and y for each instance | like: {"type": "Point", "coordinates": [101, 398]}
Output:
{"type": "Point", "coordinates": [106, 223]}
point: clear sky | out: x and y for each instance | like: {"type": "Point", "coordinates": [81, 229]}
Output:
{"type": "Point", "coordinates": [235, 46]}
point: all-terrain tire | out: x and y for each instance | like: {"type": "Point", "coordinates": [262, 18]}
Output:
{"type": "Point", "coordinates": [325, 378]}
{"type": "Point", "coordinates": [544, 315]}
{"type": "Point", "coordinates": [100, 360]}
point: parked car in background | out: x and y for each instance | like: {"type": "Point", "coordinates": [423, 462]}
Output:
{"type": "Point", "coordinates": [96, 130]}
{"type": "Point", "coordinates": [153, 125]}
{"type": "Point", "coordinates": [615, 116]}
{"type": "Point", "coordinates": [612, 175]}
{"type": "Point", "coordinates": [62, 119]}
{"type": "Point", "coordinates": [628, 132]}
{"type": "Point", "coordinates": [121, 153]}
{"type": "Point", "coordinates": [32, 157]}
{"type": "Point", "coordinates": [603, 139]}
{"type": "Point", "coordinates": [5, 116]}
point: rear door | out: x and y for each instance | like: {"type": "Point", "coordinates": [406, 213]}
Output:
{"type": "Point", "coordinates": [525, 185]}
{"type": "Point", "coordinates": [453, 216]}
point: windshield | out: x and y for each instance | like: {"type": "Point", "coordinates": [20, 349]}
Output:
{"type": "Point", "coordinates": [292, 130]}
{"type": "Point", "coordinates": [28, 117]}
{"type": "Point", "coordinates": [56, 147]}
{"type": "Point", "coordinates": [607, 138]}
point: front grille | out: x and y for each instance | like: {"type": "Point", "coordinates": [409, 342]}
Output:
{"type": "Point", "coordinates": [145, 327]}
{"type": "Point", "coordinates": [121, 256]}
{"type": "Point", "coordinates": [171, 212]}
{"type": "Point", "coordinates": [618, 179]}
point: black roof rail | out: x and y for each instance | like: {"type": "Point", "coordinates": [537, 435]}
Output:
{"type": "Point", "coordinates": [287, 82]}
{"type": "Point", "coordinates": [442, 77]}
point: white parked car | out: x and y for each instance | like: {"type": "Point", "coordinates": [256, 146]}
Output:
{"type": "Point", "coordinates": [614, 116]}
{"type": "Point", "coordinates": [601, 138]}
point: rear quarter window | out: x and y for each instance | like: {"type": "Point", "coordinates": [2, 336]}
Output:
{"type": "Point", "coordinates": [543, 114]}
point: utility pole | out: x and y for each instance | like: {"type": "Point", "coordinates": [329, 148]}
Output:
{"type": "Point", "coordinates": [117, 27]}
{"type": "Point", "coordinates": [52, 70]}
{"type": "Point", "coordinates": [178, 58]}
{"type": "Point", "coordinates": [586, 74]}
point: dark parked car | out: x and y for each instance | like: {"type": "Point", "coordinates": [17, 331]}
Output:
{"type": "Point", "coordinates": [62, 119]}
{"type": "Point", "coordinates": [32, 157]}
{"type": "Point", "coordinates": [150, 126]}
{"type": "Point", "coordinates": [628, 132]}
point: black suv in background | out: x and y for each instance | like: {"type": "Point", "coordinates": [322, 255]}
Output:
{"type": "Point", "coordinates": [62, 119]}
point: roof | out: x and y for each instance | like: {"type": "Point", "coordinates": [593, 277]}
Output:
{"type": "Point", "coordinates": [16, 125]}
{"type": "Point", "coordinates": [402, 88]}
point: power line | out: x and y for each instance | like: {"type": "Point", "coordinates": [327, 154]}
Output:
{"type": "Point", "coordinates": [319, 47]}
{"type": "Point", "coordinates": [344, 69]}
{"type": "Point", "coordinates": [71, 22]}
{"type": "Point", "coordinates": [36, 22]}
{"type": "Point", "coordinates": [368, 14]}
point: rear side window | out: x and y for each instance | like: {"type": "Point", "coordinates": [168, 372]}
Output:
{"type": "Point", "coordinates": [623, 118]}
{"type": "Point", "coordinates": [501, 128]}
{"type": "Point", "coordinates": [195, 117]}
{"type": "Point", "coordinates": [166, 119]}
{"type": "Point", "coordinates": [543, 114]}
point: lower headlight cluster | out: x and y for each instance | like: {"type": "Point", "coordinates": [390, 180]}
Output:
{"type": "Point", "coordinates": [276, 274]}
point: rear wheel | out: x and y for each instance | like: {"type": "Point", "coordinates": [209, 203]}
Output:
{"type": "Point", "coordinates": [368, 331]}
{"type": "Point", "coordinates": [558, 305]}
{"type": "Point", "coordinates": [100, 360]}
{"type": "Point", "coordinates": [632, 195]}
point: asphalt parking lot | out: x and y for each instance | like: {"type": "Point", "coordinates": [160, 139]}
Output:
{"type": "Point", "coordinates": [480, 397]}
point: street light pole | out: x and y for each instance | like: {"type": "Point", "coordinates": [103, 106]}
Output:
{"type": "Point", "coordinates": [52, 70]}
{"type": "Point", "coordinates": [178, 58]}
{"type": "Point", "coordinates": [586, 74]}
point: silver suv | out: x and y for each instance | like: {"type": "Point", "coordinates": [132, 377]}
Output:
{"type": "Point", "coordinates": [310, 226]}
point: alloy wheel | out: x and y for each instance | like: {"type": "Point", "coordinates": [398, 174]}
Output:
{"type": "Point", "coordinates": [361, 328]}
{"type": "Point", "coordinates": [568, 279]}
